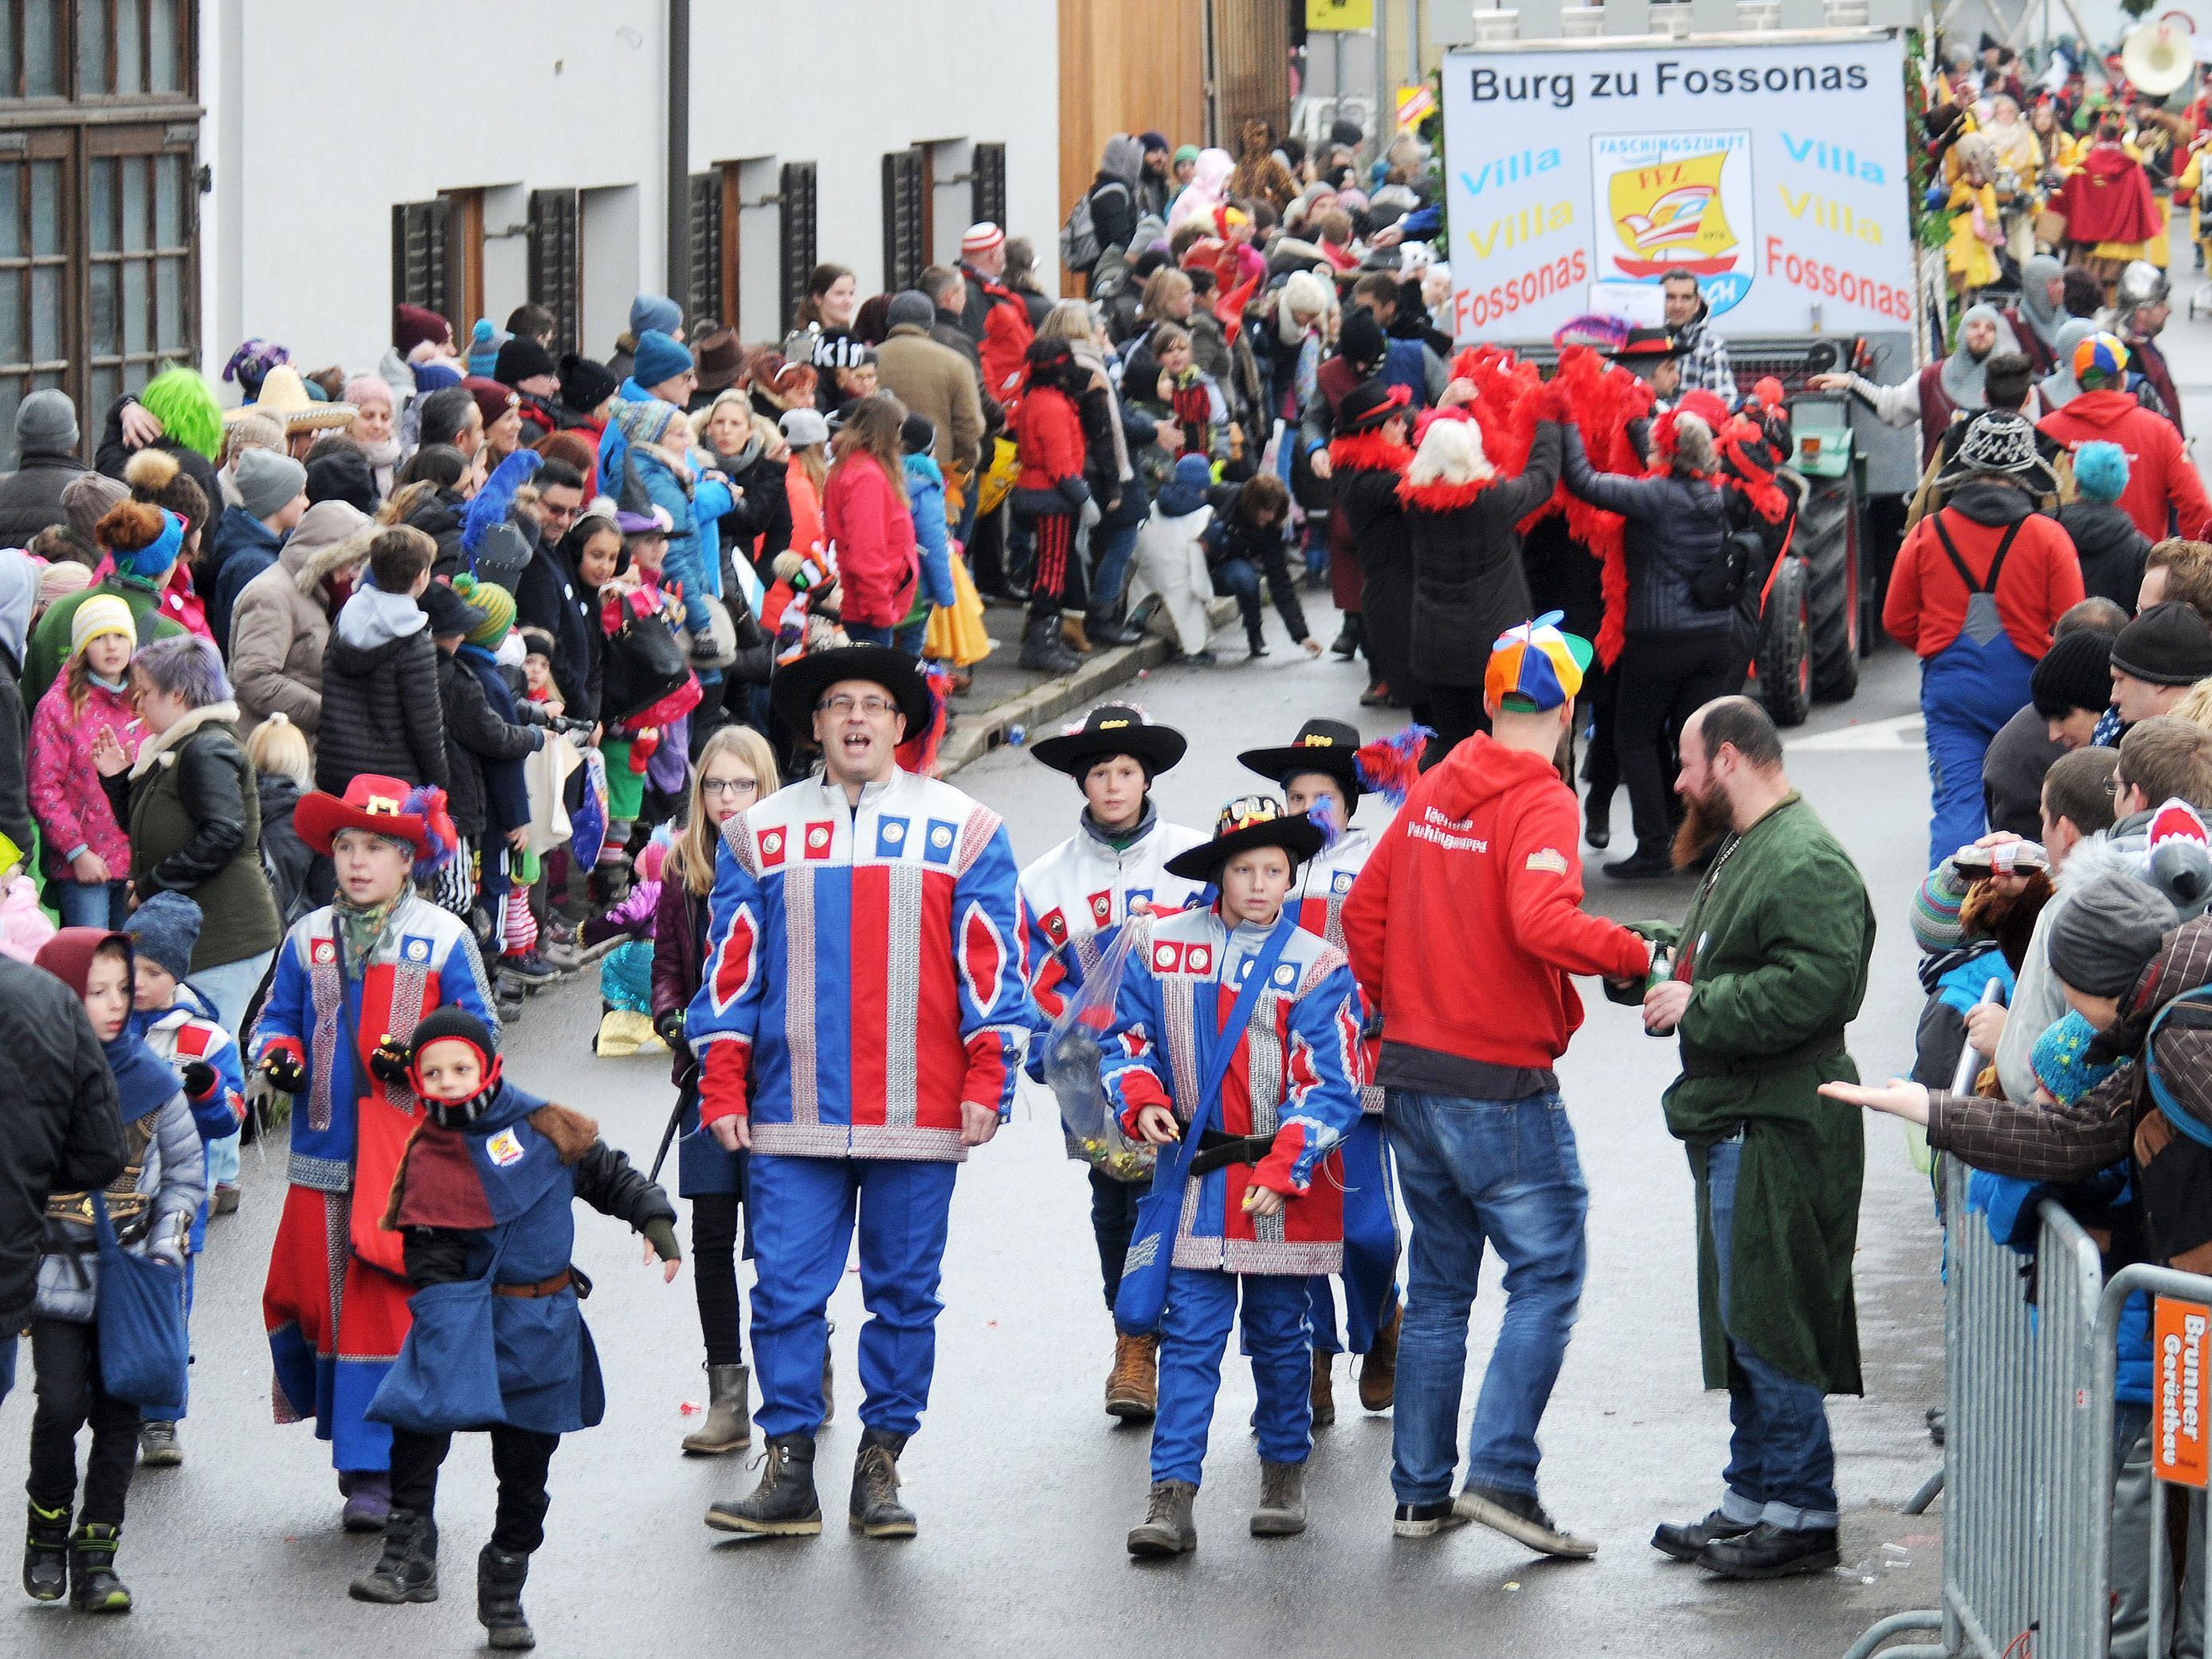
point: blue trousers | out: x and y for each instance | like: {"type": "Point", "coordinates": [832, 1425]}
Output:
{"type": "Point", "coordinates": [1967, 692]}
{"type": "Point", "coordinates": [1781, 1467]}
{"type": "Point", "coordinates": [803, 1212]}
{"type": "Point", "coordinates": [1112, 546]}
{"type": "Point", "coordinates": [1194, 1334]}
{"type": "Point", "coordinates": [1370, 1248]}
{"type": "Point", "coordinates": [1505, 1173]}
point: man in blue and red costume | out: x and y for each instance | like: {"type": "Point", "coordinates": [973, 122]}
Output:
{"type": "Point", "coordinates": [369, 965]}
{"type": "Point", "coordinates": [859, 1027]}
{"type": "Point", "coordinates": [1262, 1205]}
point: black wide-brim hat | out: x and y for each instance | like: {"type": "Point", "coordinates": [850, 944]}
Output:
{"type": "Point", "coordinates": [1321, 745]}
{"type": "Point", "coordinates": [1368, 404]}
{"type": "Point", "coordinates": [797, 687]}
{"type": "Point", "coordinates": [1297, 834]}
{"type": "Point", "coordinates": [1112, 729]}
{"type": "Point", "coordinates": [1646, 345]}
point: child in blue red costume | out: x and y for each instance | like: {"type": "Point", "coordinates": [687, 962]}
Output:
{"type": "Point", "coordinates": [369, 964]}
{"type": "Point", "coordinates": [1263, 1203]}
{"type": "Point", "coordinates": [1323, 771]}
{"type": "Point", "coordinates": [483, 1197]}
{"type": "Point", "coordinates": [181, 1029]}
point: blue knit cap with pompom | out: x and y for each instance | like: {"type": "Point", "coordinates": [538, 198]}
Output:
{"type": "Point", "coordinates": [2100, 472]}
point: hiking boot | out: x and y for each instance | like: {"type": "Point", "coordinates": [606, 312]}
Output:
{"type": "Point", "coordinates": [368, 1501]}
{"type": "Point", "coordinates": [783, 1505]}
{"type": "Point", "coordinates": [528, 966]}
{"type": "Point", "coordinates": [1073, 636]}
{"type": "Point", "coordinates": [157, 1445]}
{"type": "Point", "coordinates": [1649, 862]}
{"type": "Point", "coordinates": [1686, 1540]}
{"type": "Point", "coordinates": [1132, 1390]}
{"type": "Point", "coordinates": [1167, 1528]}
{"type": "Point", "coordinates": [1041, 651]}
{"type": "Point", "coordinates": [1324, 1398]}
{"type": "Point", "coordinates": [1378, 1371]}
{"type": "Point", "coordinates": [875, 1511]}
{"type": "Point", "coordinates": [1767, 1551]}
{"type": "Point", "coordinates": [1426, 1520]}
{"type": "Point", "coordinates": [729, 1425]}
{"type": "Point", "coordinates": [225, 1201]}
{"type": "Point", "coordinates": [1282, 1511]}
{"type": "Point", "coordinates": [46, 1553]}
{"type": "Point", "coordinates": [407, 1569]}
{"type": "Point", "coordinates": [1521, 1518]}
{"type": "Point", "coordinates": [499, 1578]}
{"type": "Point", "coordinates": [94, 1587]}
{"type": "Point", "coordinates": [1102, 629]}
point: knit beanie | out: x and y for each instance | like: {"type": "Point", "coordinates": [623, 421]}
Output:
{"type": "Point", "coordinates": [266, 480]}
{"type": "Point", "coordinates": [656, 312]}
{"type": "Point", "coordinates": [85, 499]}
{"type": "Point", "coordinates": [585, 383]}
{"type": "Point", "coordinates": [2106, 930]}
{"type": "Point", "coordinates": [98, 614]}
{"type": "Point", "coordinates": [454, 1023]}
{"type": "Point", "coordinates": [484, 347]}
{"type": "Point", "coordinates": [911, 304]}
{"type": "Point", "coordinates": [522, 359]}
{"type": "Point", "coordinates": [2076, 673]}
{"type": "Point", "coordinates": [343, 475]}
{"type": "Point", "coordinates": [1360, 339]}
{"type": "Point", "coordinates": [46, 422]}
{"type": "Point", "coordinates": [164, 929]}
{"type": "Point", "coordinates": [2168, 645]}
{"type": "Point", "coordinates": [498, 606]}
{"type": "Point", "coordinates": [917, 433]}
{"type": "Point", "coordinates": [60, 579]}
{"type": "Point", "coordinates": [658, 358]}
{"type": "Point", "coordinates": [493, 399]}
{"type": "Point", "coordinates": [415, 326]}
{"type": "Point", "coordinates": [2100, 472]}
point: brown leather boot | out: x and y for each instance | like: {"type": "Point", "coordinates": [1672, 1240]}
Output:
{"type": "Point", "coordinates": [1324, 1400]}
{"type": "Point", "coordinates": [1073, 633]}
{"type": "Point", "coordinates": [1132, 1391]}
{"type": "Point", "coordinates": [1378, 1371]}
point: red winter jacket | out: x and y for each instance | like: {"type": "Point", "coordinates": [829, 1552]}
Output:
{"type": "Point", "coordinates": [2160, 472]}
{"type": "Point", "coordinates": [865, 515]}
{"type": "Point", "coordinates": [1927, 605]}
{"type": "Point", "coordinates": [1485, 857]}
{"type": "Point", "coordinates": [1051, 439]}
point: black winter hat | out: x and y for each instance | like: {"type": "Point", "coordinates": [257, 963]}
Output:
{"type": "Point", "coordinates": [586, 384]}
{"type": "Point", "coordinates": [449, 613]}
{"type": "Point", "coordinates": [455, 1021]}
{"type": "Point", "coordinates": [520, 358]}
{"type": "Point", "coordinates": [917, 433]}
{"type": "Point", "coordinates": [2168, 645]}
{"type": "Point", "coordinates": [2076, 673]}
{"type": "Point", "coordinates": [1360, 339]}
{"type": "Point", "coordinates": [343, 475]}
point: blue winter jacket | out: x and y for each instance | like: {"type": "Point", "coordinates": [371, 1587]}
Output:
{"type": "Point", "coordinates": [925, 499]}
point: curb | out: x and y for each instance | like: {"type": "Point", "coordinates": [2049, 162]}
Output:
{"type": "Point", "coordinates": [980, 733]}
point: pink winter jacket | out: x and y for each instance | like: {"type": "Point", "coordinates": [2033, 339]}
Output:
{"type": "Point", "coordinates": [23, 926]}
{"type": "Point", "coordinates": [66, 796]}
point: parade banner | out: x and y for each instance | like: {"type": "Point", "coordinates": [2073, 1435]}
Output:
{"type": "Point", "coordinates": [1577, 177]}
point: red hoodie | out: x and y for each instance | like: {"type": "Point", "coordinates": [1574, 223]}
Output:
{"type": "Point", "coordinates": [2159, 470]}
{"type": "Point", "coordinates": [1490, 841]}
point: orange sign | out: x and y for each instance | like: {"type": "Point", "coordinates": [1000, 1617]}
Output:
{"type": "Point", "coordinates": [2178, 1450]}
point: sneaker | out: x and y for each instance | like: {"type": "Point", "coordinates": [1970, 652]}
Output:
{"type": "Point", "coordinates": [528, 966]}
{"type": "Point", "coordinates": [1426, 1520]}
{"type": "Point", "coordinates": [1521, 1518]}
{"type": "Point", "coordinates": [561, 958]}
{"type": "Point", "coordinates": [1205, 659]}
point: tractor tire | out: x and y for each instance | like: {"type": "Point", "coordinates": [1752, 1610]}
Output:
{"type": "Point", "coordinates": [1784, 662]}
{"type": "Point", "coordinates": [1828, 540]}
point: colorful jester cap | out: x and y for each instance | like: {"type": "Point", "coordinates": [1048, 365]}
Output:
{"type": "Point", "coordinates": [2101, 354]}
{"type": "Point", "coordinates": [1535, 667]}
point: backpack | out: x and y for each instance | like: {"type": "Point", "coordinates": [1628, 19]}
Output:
{"type": "Point", "coordinates": [1078, 237]}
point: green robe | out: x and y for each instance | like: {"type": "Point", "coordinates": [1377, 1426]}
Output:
{"type": "Point", "coordinates": [1777, 942]}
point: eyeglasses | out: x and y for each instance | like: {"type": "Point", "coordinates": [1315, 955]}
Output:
{"type": "Point", "coordinates": [548, 510]}
{"type": "Point", "coordinates": [844, 703]}
{"type": "Point", "coordinates": [729, 786]}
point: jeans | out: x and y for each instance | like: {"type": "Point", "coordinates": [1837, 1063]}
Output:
{"type": "Point", "coordinates": [867, 634]}
{"type": "Point", "coordinates": [804, 1212]}
{"type": "Point", "coordinates": [1782, 1467]}
{"type": "Point", "coordinates": [1238, 577]}
{"type": "Point", "coordinates": [1503, 1172]}
{"type": "Point", "coordinates": [519, 1461]}
{"type": "Point", "coordinates": [1112, 547]}
{"type": "Point", "coordinates": [91, 903]}
{"type": "Point", "coordinates": [1113, 1218]}
{"type": "Point", "coordinates": [230, 987]}
{"type": "Point", "coordinates": [1195, 1332]}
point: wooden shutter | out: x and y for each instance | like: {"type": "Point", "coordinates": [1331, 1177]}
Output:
{"type": "Point", "coordinates": [796, 232]}
{"type": "Point", "coordinates": [703, 298]}
{"type": "Point", "coordinates": [906, 248]}
{"type": "Point", "coordinates": [988, 187]}
{"type": "Point", "coordinates": [419, 266]}
{"type": "Point", "coordinates": [555, 271]}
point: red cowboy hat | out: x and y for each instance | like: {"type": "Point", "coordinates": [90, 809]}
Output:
{"type": "Point", "coordinates": [383, 806]}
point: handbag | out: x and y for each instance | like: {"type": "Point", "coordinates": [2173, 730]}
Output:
{"type": "Point", "coordinates": [1143, 1295]}
{"type": "Point", "coordinates": [446, 1376]}
{"type": "Point", "coordinates": [143, 1352]}
{"type": "Point", "coordinates": [644, 662]}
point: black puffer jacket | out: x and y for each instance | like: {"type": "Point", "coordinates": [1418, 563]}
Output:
{"type": "Point", "coordinates": [31, 497]}
{"type": "Point", "coordinates": [475, 734]}
{"type": "Point", "coordinates": [1676, 524]}
{"type": "Point", "coordinates": [440, 518]}
{"type": "Point", "coordinates": [547, 595]}
{"type": "Point", "coordinates": [1469, 584]}
{"type": "Point", "coordinates": [2111, 549]}
{"type": "Point", "coordinates": [380, 710]}
{"type": "Point", "coordinates": [60, 1132]}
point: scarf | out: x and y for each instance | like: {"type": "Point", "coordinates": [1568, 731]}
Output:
{"type": "Point", "coordinates": [1121, 843]}
{"type": "Point", "coordinates": [144, 1081]}
{"type": "Point", "coordinates": [1963, 373]}
{"type": "Point", "coordinates": [362, 928]}
{"type": "Point", "coordinates": [1089, 357]}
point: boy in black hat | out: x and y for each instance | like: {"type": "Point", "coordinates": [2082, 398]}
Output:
{"type": "Point", "coordinates": [1076, 898]}
{"type": "Point", "coordinates": [1321, 772]}
{"type": "Point", "coordinates": [1261, 1211]}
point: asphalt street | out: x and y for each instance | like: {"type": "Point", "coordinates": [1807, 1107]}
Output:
{"type": "Point", "coordinates": [1023, 1486]}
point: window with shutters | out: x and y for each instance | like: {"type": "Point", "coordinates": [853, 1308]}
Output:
{"type": "Point", "coordinates": [555, 262]}
{"type": "Point", "coordinates": [988, 185]}
{"type": "Point", "coordinates": [100, 188]}
{"type": "Point", "coordinates": [796, 184]}
{"type": "Point", "coordinates": [906, 208]}
{"type": "Point", "coordinates": [437, 256]}
{"type": "Point", "coordinates": [703, 298]}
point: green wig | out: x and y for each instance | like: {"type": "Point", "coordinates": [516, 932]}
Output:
{"type": "Point", "coordinates": [184, 403]}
